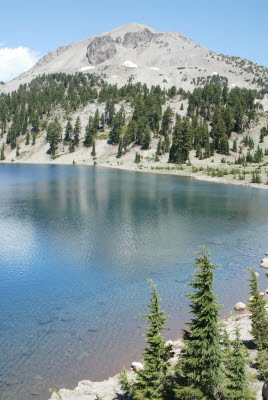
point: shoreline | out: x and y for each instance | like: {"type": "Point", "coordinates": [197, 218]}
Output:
{"type": "Point", "coordinates": [109, 389]}
{"type": "Point", "coordinates": [162, 169]}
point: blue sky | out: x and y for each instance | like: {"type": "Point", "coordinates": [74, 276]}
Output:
{"type": "Point", "coordinates": [237, 27]}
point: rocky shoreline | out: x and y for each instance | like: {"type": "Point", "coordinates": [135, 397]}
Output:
{"type": "Point", "coordinates": [109, 389]}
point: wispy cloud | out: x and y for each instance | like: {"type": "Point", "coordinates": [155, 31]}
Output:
{"type": "Point", "coordinates": [14, 61]}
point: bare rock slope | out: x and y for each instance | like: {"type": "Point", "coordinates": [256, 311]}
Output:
{"type": "Point", "coordinates": [141, 53]}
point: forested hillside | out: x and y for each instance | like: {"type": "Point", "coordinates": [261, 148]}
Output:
{"type": "Point", "coordinates": [61, 114]}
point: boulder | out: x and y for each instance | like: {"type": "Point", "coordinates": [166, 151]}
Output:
{"type": "Point", "coordinates": [264, 263]}
{"type": "Point", "coordinates": [257, 274]}
{"type": "Point", "coordinates": [137, 366]}
{"type": "Point", "coordinates": [261, 293]}
{"type": "Point", "coordinates": [251, 298]}
{"type": "Point", "coordinates": [240, 306]}
{"type": "Point", "coordinates": [266, 291]}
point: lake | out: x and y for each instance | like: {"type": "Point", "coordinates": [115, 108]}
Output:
{"type": "Point", "coordinates": [77, 245]}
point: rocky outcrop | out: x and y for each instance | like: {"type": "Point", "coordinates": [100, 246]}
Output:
{"type": "Point", "coordinates": [101, 49]}
{"type": "Point", "coordinates": [133, 39]}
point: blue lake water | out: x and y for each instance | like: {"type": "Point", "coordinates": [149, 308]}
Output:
{"type": "Point", "coordinates": [76, 247]}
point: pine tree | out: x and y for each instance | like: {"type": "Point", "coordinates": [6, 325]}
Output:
{"type": "Point", "coordinates": [175, 153]}
{"type": "Point", "coordinates": [93, 152]}
{"type": "Point", "coordinates": [151, 380]}
{"type": "Point", "coordinates": [199, 368]}
{"type": "Point", "coordinates": [146, 140]}
{"type": "Point", "coordinates": [3, 153]}
{"type": "Point", "coordinates": [71, 146]}
{"type": "Point", "coordinates": [77, 131]}
{"type": "Point", "coordinates": [159, 148]}
{"type": "Point", "coordinates": [54, 131]}
{"type": "Point", "coordinates": [27, 140]}
{"type": "Point", "coordinates": [68, 132]}
{"type": "Point", "coordinates": [237, 385]}
{"type": "Point", "coordinates": [120, 145]}
{"type": "Point", "coordinates": [235, 146]}
{"type": "Point", "coordinates": [262, 360]}
{"type": "Point", "coordinates": [89, 133]}
{"type": "Point", "coordinates": [137, 158]}
{"type": "Point", "coordinates": [17, 150]}
{"type": "Point", "coordinates": [126, 386]}
{"type": "Point", "coordinates": [259, 315]}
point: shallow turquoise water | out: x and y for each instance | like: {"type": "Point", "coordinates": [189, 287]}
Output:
{"type": "Point", "coordinates": [76, 247]}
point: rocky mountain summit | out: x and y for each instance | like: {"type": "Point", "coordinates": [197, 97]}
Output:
{"type": "Point", "coordinates": [140, 53]}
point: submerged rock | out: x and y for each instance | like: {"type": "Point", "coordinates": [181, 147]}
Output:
{"type": "Point", "coordinates": [257, 274]}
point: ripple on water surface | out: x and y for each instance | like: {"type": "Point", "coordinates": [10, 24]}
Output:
{"type": "Point", "coordinates": [77, 245]}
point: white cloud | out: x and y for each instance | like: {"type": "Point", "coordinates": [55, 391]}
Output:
{"type": "Point", "coordinates": [15, 61]}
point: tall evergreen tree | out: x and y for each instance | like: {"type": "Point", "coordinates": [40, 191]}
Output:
{"type": "Point", "coordinates": [93, 152]}
{"type": "Point", "coordinates": [259, 315]}
{"type": "Point", "coordinates": [199, 368]}
{"type": "Point", "coordinates": [146, 140]}
{"type": "Point", "coordinates": [77, 131]}
{"type": "Point", "coordinates": [54, 131]}
{"type": "Point", "coordinates": [151, 380]}
{"type": "Point", "coordinates": [68, 132]}
{"type": "Point", "coordinates": [175, 153]}
{"type": "Point", "coordinates": [27, 140]}
{"type": "Point", "coordinates": [125, 384]}
{"type": "Point", "coordinates": [89, 132]}
{"type": "Point", "coordinates": [237, 385]}
{"type": "Point", "coordinates": [2, 157]}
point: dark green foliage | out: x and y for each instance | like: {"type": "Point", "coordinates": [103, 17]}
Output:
{"type": "Point", "coordinates": [71, 146]}
{"type": "Point", "coordinates": [125, 385]}
{"type": "Point", "coordinates": [17, 150]}
{"type": "Point", "coordinates": [235, 146]}
{"type": "Point", "coordinates": [264, 132]}
{"type": "Point", "coordinates": [159, 148]}
{"type": "Point", "coordinates": [151, 380]}
{"type": "Point", "coordinates": [259, 315]}
{"type": "Point", "coordinates": [120, 147]}
{"type": "Point", "coordinates": [93, 152]}
{"type": "Point", "coordinates": [256, 177]}
{"type": "Point", "coordinates": [175, 154]}
{"type": "Point", "coordinates": [54, 131]}
{"type": "Point", "coordinates": [199, 368]}
{"type": "Point", "coordinates": [90, 132]}
{"type": "Point", "coordinates": [68, 132]}
{"type": "Point", "coordinates": [137, 158]}
{"type": "Point", "coordinates": [117, 125]}
{"type": "Point", "coordinates": [262, 360]}
{"type": "Point", "coordinates": [77, 131]}
{"type": "Point", "coordinates": [2, 157]}
{"type": "Point", "coordinates": [235, 361]}
{"type": "Point", "coordinates": [248, 142]}
{"type": "Point", "coordinates": [27, 141]}
{"type": "Point", "coordinates": [146, 140]}
{"type": "Point", "coordinates": [167, 121]}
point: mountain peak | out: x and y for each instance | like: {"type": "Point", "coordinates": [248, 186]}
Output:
{"type": "Point", "coordinates": [131, 27]}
